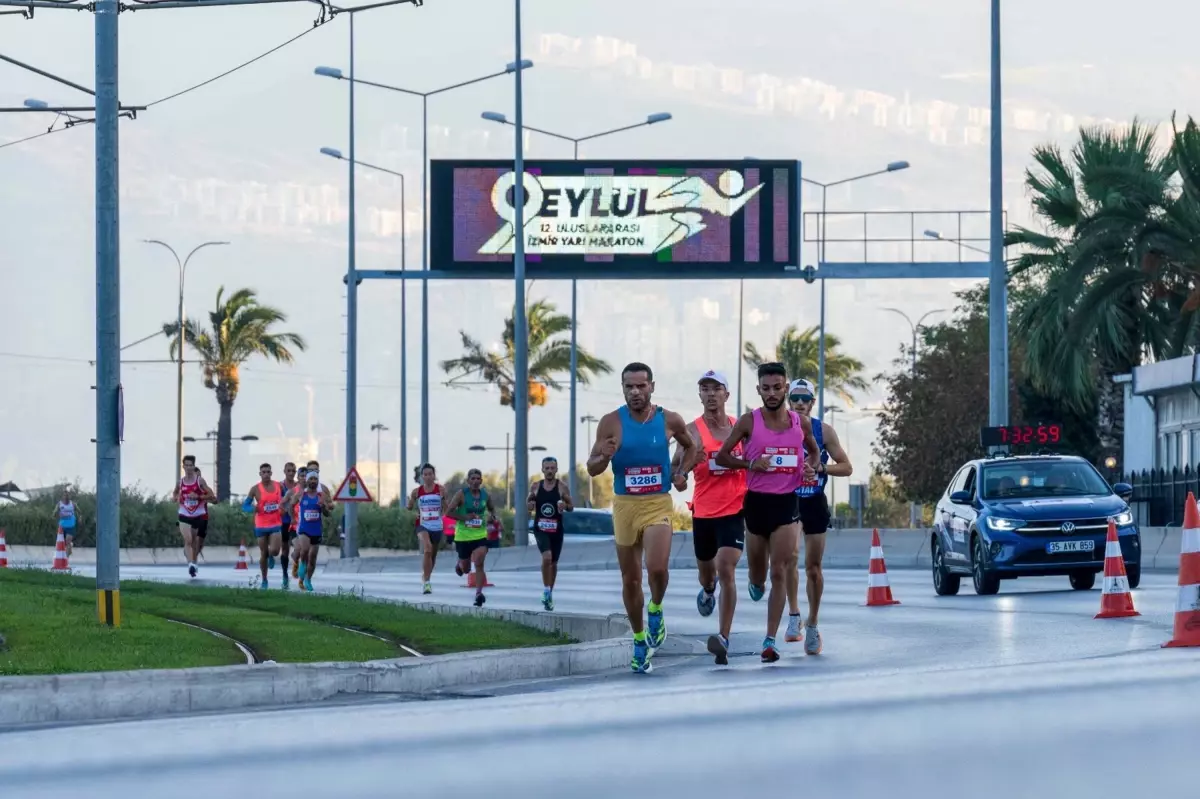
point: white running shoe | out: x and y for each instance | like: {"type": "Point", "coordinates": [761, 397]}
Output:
{"type": "Point", "coordinates": [793, 629]}
{"type": "Point", "coordinates": [812, 641]}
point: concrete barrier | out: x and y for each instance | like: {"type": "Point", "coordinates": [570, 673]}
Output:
{"type": "Point", "coordinates": [108, 696]}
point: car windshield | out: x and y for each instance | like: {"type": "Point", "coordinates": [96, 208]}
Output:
{"type": "Point", "coordinates": [1029, 479]}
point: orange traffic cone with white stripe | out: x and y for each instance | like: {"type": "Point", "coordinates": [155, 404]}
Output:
{"type": "Point", "coordinates": [3, 551]}
{"type": "Point", "coordinates": [243, 561]}
{"type": "Point", "coordinates": [1187, 605]}
{"type": "Point", "coordinates": [1116, 602]}
{"type": "Point", "coordinates": [879, 590]}
{"type": "Point", "coordinates": [60, 553]}
{"type": "Point", "coordinates": [471, 581]}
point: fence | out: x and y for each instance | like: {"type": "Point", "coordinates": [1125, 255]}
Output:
{"type": "Point", "coordinates": [1159, 494]}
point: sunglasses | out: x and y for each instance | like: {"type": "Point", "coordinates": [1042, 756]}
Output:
{"type": "Point", "coordinates": [801, 397]}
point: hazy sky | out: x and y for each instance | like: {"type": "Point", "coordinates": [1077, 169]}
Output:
{"type": "Point", "coordinates": [238, 160]}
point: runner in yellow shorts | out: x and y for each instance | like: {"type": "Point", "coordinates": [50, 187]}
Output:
{"type": "Point", "coordinates": [635, 439]}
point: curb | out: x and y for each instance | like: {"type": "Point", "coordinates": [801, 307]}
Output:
{"type": "Point", "coordinates": [112, 696]}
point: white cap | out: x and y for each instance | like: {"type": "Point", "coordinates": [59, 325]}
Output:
{"type": "Point", "coordinates": [802, 385]}
{"type": "Point", "coordinates": [715, 376]}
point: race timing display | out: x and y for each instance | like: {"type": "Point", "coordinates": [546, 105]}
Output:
{"type": "Point", "coordinates": [1041, 433]}
{"type": "Point", "coordinates": [706, 216]}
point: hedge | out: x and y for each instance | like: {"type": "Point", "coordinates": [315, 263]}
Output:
{"type": "Point", "coordinates": [149, 521]}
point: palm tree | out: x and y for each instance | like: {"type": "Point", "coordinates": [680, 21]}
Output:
{"type": "Point", "coordinates": [240, 329]}
{"type": "Point", "coordinates": [549, 356]}
{"type": "Point", "coordinates": [1110, 289]}
{"type": "Point", "coordinates": [800, 354]}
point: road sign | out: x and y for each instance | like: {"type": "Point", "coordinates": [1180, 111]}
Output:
{"type": "Point", "coordinates": [692, 217]}
{"type": "Point", "coordinates": [353, 489]}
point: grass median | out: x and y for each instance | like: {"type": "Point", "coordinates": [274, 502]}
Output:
{"type": "Point", "coordinates": [48, 624]}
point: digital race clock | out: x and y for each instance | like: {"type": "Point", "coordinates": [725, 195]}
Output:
{"type": "Point", "coordinates": [1041, 433]}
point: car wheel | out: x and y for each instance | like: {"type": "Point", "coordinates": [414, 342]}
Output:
{"type": "Point", "coordinates": [944, 583]}
{"type": "Point", "coordinates": [986, 582]}
{"type": "Point", "coordinates": [1083, 581]}
{"type": "Point", "coordinates": [1134, 573]}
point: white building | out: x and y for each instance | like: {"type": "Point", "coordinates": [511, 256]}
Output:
{"type": "Point", "coordinates": [1162, 415]}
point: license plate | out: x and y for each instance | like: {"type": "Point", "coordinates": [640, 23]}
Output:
{"type": "Point", "coordinates": [1070, 546]}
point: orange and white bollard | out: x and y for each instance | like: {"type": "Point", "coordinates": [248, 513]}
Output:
{"type": "Point", "coordinates": [243, 561]}
{"type": "Point", "coordinates": [879, 590]}
{"type": "Point", "coordinates": [60, 553]}
{"type": "Point", "coordinates": [1187, 604]}
{"type": "Point", "coordinates": [1116, 602]}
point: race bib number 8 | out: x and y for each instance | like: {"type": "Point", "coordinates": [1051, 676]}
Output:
{"type": "Point", "coordinates": [643, 480]}
{"type": "Point", "coordinates": [782, 460]}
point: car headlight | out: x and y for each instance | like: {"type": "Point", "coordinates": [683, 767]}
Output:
{"type": "Point", "coordinates": [998, 523]}
{"type": "Point", "coordinates": [1123, 518]}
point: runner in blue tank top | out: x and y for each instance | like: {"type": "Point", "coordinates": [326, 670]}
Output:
{"type": "Point", "coordinates": [814, 518]}
{"type": "Point", "coordinates": [635, 439]}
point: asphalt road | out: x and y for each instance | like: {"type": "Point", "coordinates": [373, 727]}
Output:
{"type": "Point", "coordinates": [1021, 694]}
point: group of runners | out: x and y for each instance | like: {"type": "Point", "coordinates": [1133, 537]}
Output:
{"type": "Point", "coordinates": [763, 474]}
{"type": "Point", "coordinates": [288, 519]}
{"type": "Point", "coordinates": [461, 518]}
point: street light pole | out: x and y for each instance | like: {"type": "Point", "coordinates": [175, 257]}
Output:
{"type": "Point", "coordinates": [520, 326]}
{"type": "Point", "coordinates": [590, 420]}
{"type": "Point", "coordinates": [998, 273]}
{"type": "Point", "coordinates": [378, 428]}
{"type": "Point", "coordinates": [182, 266]}
{"type": "Point", "coordinates": [652, 119]}
{"type": "Point", "coordinates": [332, 72]}
{"type": "Point", "coordinates": [741, 344]}
{"type": "Point", "coordinates": [351, 513]}
{"type": "Point", "coordinates": [335, 153]}
{"type": "Point", "coordinates": [894, 166]}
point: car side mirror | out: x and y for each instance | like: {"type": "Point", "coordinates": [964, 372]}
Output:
{"type": "Point", "coordinates": [1124, 491]}
{"type": "Point", "coordinates": [961, 497]}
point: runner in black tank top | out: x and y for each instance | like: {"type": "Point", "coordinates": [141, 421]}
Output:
{"type": "Point", "coordinates": [548, 498]}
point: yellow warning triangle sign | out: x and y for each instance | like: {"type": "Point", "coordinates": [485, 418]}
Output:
{"type": "Point", "coordinates": [353, 489]}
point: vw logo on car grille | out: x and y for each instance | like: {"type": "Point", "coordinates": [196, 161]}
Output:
{"type": "Point", "coordinates": [1068, 527]}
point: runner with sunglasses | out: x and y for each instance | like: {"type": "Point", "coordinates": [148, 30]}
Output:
{"type": "Point", "coordinates": [814, 518]}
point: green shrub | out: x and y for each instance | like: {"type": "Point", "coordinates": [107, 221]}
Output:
{"type": "Point", "coordinates": [151, 522]}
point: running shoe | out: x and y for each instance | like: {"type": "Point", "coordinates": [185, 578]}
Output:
{"type": "Point", "coordinates": [263, 585]}
{"type": "Point", "coordinates": [640, 664]}
{"type": "Point", "coordinates": [479, 600]}
{"type": "Point", "coordinates": [547, 601]}
{"type": "Point", "coordinates": [191, 570]}
{"type": "Point", "coordinates": [793, 629]}
{"type": "Point", "coordinates": [718, 645]}
{"type": "Point", "coordinates": [656, 631]}
{"type": "Point", "coordinates": [769, 653]}
{"type": "Point", "coordinates": [270, 563]}
{"type": "Point", "coordinates": [458, 569]}
{"type": "Point", "coordinates": [812, 641]}
{"type": "Point", "coordinates": [303, 572]}
{"type": "Point", "coordinates": [705, 602]}
{"type": "Point", "coordinates": [756, 592]}
{"type": "Point", "coordinates": [285, 585]}
{"type": "Point", "coordinates": [427, 588]}
{"type": "Point", "coordinates": [308, 584]}
{"type": "Point", "coordinates": [295, 568]}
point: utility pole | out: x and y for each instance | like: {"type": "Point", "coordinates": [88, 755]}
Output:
{"type": "Point", "coordinates": [377, 428]}
{"type": "Point", "coordinates": [590, 420]}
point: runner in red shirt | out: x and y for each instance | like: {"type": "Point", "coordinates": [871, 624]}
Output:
{"type": "Point", "coordinates": [193, 496]}
{"type": "Point", "coordinates": [718, 527]}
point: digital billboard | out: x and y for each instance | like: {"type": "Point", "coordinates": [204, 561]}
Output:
{"type": "Point", "coordinates": [702, 216]}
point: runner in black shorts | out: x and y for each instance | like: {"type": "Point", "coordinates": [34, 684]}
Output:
{"type": "Point", "coordinates": [290, 486]}
{"type": "Point", "coordinates": [718, 527]}
{"type": "Point", "coordinates": [548, 499]}
{"type": "Point", "coordinates": [814, 518]}
{"type": "Point", "coordinates": [779, 452]}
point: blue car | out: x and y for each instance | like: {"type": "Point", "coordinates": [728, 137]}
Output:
{"type": "Point", "coordinates": [1006, 517]}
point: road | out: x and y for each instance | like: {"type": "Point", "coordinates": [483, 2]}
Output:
{"type": "Point", "coordinates": [1022, 693]}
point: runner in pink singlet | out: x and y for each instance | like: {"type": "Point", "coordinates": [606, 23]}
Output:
{"type": "Point", "coordinates": [780, 451]}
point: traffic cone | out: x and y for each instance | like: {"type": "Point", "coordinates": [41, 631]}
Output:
{"type": "Point", "coordinates": [60, 553]}
{"type": "Point", "coordinates": [879, 590]}
{"type": "Point", "coordinates": [472, 581]}
{"type": "Point", "coordinates": [1187, 605]}
{"type": "Point", "coordinates": [3, 551]}
{"type": "Point", "coordinates": [1116, 602]}
{"type": "Point", "coordinates": [243, 562]}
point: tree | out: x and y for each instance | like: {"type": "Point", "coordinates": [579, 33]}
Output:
{"type": "Point", "coordinates": [549, 357]}
{"type": "Point", "coordinates": [799, 352]}
{"type": "Point", "coordinates": [239, 328]}
{"type": "Point", "coordinates": [930, 423]}
{"type": "Point", "coordinates": [1112, 267]}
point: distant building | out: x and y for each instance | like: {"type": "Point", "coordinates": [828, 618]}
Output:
{"type": "Point", "coordinates": [1162, 415]}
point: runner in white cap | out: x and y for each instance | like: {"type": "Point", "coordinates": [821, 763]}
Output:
{"type": "Point", "coordinates": [814, 518]}
{"type": "Point", "coordinates": [718, 527]}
